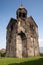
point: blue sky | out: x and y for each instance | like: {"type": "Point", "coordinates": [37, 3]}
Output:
{"type": "Point", "coordinates": [8, 9]}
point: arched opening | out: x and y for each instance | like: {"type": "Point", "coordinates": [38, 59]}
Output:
{"type": "Point", "coordinates": [24, 43]}
{"type": "Point", "coordinates": [22, 35]}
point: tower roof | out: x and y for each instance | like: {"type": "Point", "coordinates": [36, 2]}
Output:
{"type": "Point", "coordinates": [22, 8]}
{"type": "Point", "coordinates": [21, 12]}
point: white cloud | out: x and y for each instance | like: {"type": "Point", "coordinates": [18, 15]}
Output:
{"type": "Point", "coordinates": [41, 42]}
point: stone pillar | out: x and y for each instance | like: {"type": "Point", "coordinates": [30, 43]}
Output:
{"type": "Point", "coordinates": [18, 47]}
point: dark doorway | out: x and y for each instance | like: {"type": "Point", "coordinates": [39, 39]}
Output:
{"type": "Point", "coordinates": [22, 35]}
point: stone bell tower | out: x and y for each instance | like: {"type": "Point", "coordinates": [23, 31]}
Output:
{"type": "Point", "coordinates": [22, 36]}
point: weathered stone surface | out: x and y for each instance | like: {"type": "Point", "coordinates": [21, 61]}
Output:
{"type": "Point", "coordinates": [22, 36]}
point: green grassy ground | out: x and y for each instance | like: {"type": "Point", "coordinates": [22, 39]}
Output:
{"type": "Point", "coordinates": [22, 61]}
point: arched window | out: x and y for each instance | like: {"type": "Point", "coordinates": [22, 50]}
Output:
{"type": "Point", "coordinates": [24, 15]}
{"type": "Point", "coordinates": [23, 36]}
{"type": "Point", "coordinates": [19, 14]}
{"type": "Point", "coordinates": [32, 27]}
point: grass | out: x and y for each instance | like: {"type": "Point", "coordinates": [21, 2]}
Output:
{"type": "Point", "coordinates": [22, 61]}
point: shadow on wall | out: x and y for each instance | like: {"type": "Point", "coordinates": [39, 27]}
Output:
{"type": "Point", "coordinates": [34, 62]}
